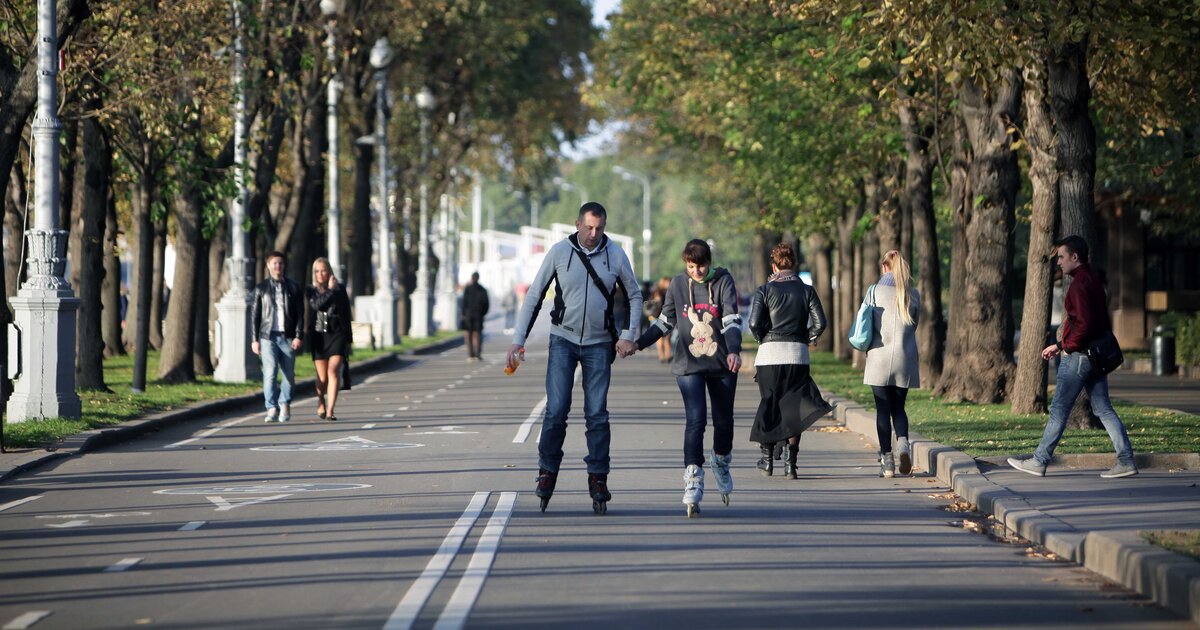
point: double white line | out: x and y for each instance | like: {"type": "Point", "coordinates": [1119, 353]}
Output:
{"type": "Point", "coordinates": [454, 615]}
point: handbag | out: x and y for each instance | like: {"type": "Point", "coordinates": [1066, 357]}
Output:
{"type": "Point", "coordinates": [344, 374]}
{"type": "Point", "coordinates": [863, 330]}
{"type": "Point", "coordinates": [1105, 353]}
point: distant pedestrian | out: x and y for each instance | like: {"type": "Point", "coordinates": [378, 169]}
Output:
{"type": "Point", "coordinates": [702, 303]}
{"type": "Point", "coordinates": [329, 336]}
{"type": "Point", "coordinates": [509, 304]}
{"type": "Point", "coordinates": [275, 319]}
{"type": "Point", "coordinates": [1085, 319]}
{"type": "Point", "coordinates": [893, 365]}
{"type": "Point", "coordinates": [652, 308]}
{"type": "Point", "coordinates": [474, 310]}
{"type": "Point", "coordinates": [786, 317]}
{"type": "Point", "coordinates": [585, 269]}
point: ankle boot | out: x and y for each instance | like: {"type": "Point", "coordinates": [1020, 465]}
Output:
{"type": "Point", "coordinates": [789, 470]}
{"type": "Point", "coordinates": [887, 465]}
{"type": "Point", "coordinates": [766, 463]}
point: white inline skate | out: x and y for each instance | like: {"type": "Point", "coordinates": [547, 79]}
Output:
{"type": "Point", "coordinates": [720, 470]}
{"type": "Point", "coordinates": [693, 489]}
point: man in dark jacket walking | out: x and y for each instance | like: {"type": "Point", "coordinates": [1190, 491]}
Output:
{"type": "Point", "coordinates": [275, 315]}
{"type": "Point", "coordinates": [474, 309]}
{"type": "Point", "coordinates": [1086, 319]}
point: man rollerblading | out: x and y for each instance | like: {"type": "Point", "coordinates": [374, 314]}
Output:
{"type": "Point", "coordinates": [598, 488]}
{"type": "Point", "coordinates": [545, 486]}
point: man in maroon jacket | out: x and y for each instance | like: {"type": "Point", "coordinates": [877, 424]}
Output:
{"type": "Point", "coordinates": [1086, 319]}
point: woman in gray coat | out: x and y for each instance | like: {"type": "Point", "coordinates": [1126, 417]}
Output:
{"type": "Point", "coordinates": [892, 363]}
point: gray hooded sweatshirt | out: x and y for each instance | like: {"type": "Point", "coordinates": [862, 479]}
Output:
{"type": "Point", "coordinates": [579, 308]}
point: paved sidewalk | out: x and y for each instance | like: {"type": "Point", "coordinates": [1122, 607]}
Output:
{"type": "Point", "coordinates": [1074, 513]}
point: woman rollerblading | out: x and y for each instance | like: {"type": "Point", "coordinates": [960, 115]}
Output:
{"type": "Point", "coordinates": [693, 489]}
{"type": "Point", "coordinates": [720, 471]}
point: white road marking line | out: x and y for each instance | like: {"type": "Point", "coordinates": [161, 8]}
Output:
{"type": "Point", "coordinates": [28, 619]}
{"type": "Point", "coordinates": [192, 526]}
{"type": "Point", "coordinates": [123, 565]}
{"type": "Point", "coordinates": [13, 504]}
{"type": "Point", "coordinates": [454, 616]}
{"type": "Point", "coordinates": [430, 395]}
{"type": "Point", "coordinates": [401, 408]}
{"type": "Point", "coordinates": [224, 505]}
{"type": "Point", "coordinates": [372, 379]}
{"type": "Point", "coordinates": [527, 426]}
{"type": "Point", "coordinates": [204, 434]}
{"type": "Point", "coordinates": [414, 600]}
{"type": "Point", "coordinates": [372, 425]}
{"type": "Point", "coordinates": [451, 386]}
{"type": "Point", "coordinates": [389, 415]}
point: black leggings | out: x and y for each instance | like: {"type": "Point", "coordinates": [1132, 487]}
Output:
{"type": "Point", "coordinates": [889, 412]}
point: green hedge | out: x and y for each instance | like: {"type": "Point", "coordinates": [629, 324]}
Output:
{"type": "Point", "coordinates": [1187, 336]}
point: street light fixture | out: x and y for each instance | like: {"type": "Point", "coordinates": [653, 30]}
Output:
{"type": "Point", "coordinates": [45, 306]}
{"type": "Point", "coordinates": [422, 306]}
{"type": "Point", "coordinates": [332, 9]}
{"type": "Point", "coordinates": [380, 59]}
{"type": "Point", "coordinates": [566, 185]}
{"type": "Point", "coordinates": [235, 363]}
{"type": "Point", "coordinates": [629, 176]}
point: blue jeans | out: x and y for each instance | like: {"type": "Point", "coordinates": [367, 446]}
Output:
{"type": "Point", "coordinates": [560, 381]}
{"type": "Point", "coordinates": [277, 354]}
{"type": "Point", "coordinates": [721, 389]}
{"type": "Point", "coordinates": [1075, 373]}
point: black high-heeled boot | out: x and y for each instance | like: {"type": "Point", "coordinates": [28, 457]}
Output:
{"type": "Point", "coordinates": [766, 463]}
{"type": "Point", "coordinates": [789, 470]}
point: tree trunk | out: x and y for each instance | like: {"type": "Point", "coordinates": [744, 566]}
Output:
{"type": "Point", "coordinates": [202, 363]}
{"type": "Point", "coordinates": [218, 275]}
{"type": "Point", "coordinates": [14, 221]}
{"type": "Point", "coordinates": [360, 234]}
{"type": "Point", "coordinates": [1029, 390]}
{"type": "Point", "coordinates": [820, 256]}
{"type": "Point", "coordinates": [949, 386]}
{"type": "Point", "coordinates": [158, 285]}
{"type": "Point", "coordinates": [309, 146]}
{"type": "Point", "coordinates": [176, 364]}
{"type": "Point", "coordinates": [918, 190]}
{"type": "Point", "coordinates": [847, 302]}
{"type": "Point", "coordinates": [995, 180]}
{"type": "Point", "coordinates": [111, 294]}
{"type": "Point", "coordinates": [142, 291]}
{"type": "Point", "coordinates": [92, 191]}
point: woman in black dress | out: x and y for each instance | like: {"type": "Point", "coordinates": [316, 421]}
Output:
{"type": "Point", "coordinates": [328, 333]}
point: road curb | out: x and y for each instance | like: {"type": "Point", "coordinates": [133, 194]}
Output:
{"type": "Point", "coordinates": [94, 439]}
{"type": "Point", "coordinates": [1170, 579]}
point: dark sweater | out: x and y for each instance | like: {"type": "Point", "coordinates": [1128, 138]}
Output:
{"type": "Point", "coordinates": [716, 331]}
{"type": "Point", "coordinates": [1086, 310]}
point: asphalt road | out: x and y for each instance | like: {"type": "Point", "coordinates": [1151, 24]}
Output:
{"type": "Point", "coordinates": [416, 510]}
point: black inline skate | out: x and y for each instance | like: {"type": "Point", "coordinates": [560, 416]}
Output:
{"type": "Point", "coordinates": [545, 486]}
{"type": "Point", "coordinates": [598, 488]}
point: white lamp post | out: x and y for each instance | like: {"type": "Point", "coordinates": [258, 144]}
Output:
{"type": "Point", "coordinates": [629, 175]}
{"type": "Point", "coordinates": [422, 304]}
{"type": "Point", "coordinates": [235, 362]}
{"type": "Point", "coordinates": [331, 9]}
{"type": "Point", "coordinates": [43, 330]}
{"type": "Point", "coordinates": [381, 59]}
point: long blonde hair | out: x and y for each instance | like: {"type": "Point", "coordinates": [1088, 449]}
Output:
{"type": "Point", "coordinates": [896, 264]}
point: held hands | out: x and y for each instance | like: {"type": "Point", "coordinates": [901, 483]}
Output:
{"type": "Point", "coordinates": [254, 347]}
{"type": "Point", "coordinates": [296, 344]}
{"type": "Point", "coordinates": [626, 348]}
{"type": "Point", "coordinates": [1050, 352]}
{"type": "Point", "coordinates": [734, 361]}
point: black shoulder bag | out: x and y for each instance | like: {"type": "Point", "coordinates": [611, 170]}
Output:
{"type": "Point", "coordinates": [609, 321]}
{"type": "Point", "coordinates": [1105, 353]}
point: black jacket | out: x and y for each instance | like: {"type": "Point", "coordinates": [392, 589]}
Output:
{"type": "Point", "coordinates": [262, 310]}
{"type": "Point", "coordinates": [786, 310]}
{"type": "Point", "coordinates": [474, 301]}
{"type": "Point", "coordinates": [336, 306]}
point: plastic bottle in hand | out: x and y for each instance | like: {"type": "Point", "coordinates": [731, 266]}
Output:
{"type": "Point", "coordinates": [520, 357]}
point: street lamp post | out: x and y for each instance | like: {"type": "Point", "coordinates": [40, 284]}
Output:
{"type": "Point", "coordinates": [422, 305]}
{"type": "Point", "coordinates": [446, 305]}
{"type": "Point", "coordinates": [331, 9]}
{"type": "Point", "coordinates": [629, 175]}
{"type": "Point", "coordinates": [381, 59]}
{"type": "Point", "coordinates": [235, 362]}
{"type": "Point", "coordinates": [45, 307]}
{"type": "Point", "coordinates": [566, 185]}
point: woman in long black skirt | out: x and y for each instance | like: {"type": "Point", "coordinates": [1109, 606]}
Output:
{"type": "Point", "coordinates": [785, 318]}
{"type": "Point", "coordinates": [328, 333]}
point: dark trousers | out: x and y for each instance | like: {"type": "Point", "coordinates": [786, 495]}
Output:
{"type": "Point", "coordinates": [889, 414]}
{"type": "Point", "coordinates": [721, 389]}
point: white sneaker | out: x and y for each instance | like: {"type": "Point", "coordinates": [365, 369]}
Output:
{"type": "Point", "coordinates": [285, 412]}
{"type": "Point", "coordinates": [693, 488]}
{"type": "Point", "coordinates": [904, 455]}
{"type": "Point", "coordinates": [272, 415]}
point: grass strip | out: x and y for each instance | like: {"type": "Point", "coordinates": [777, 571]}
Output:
{"type": "Point", "coordinates": [104, 409]}
{"type": "Point", "coordinates": [1182, 542]}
